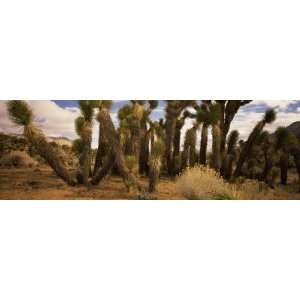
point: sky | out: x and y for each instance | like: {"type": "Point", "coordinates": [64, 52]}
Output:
{"type": "Point", "coordinates": [56, 117]}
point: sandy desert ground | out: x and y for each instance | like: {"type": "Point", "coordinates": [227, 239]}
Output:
{"type": "Point", "coordinates": [44, 184]}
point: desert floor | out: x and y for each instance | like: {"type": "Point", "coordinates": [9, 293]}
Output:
{"type": "Point", "coordinates": [44, 184]}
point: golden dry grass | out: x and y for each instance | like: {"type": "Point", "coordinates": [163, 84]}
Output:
{"type": "Point", "coordinates": [204, 183]}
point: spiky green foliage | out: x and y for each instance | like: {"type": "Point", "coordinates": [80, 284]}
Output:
{"type": "Point", "coordinates": [79, 125]}
{"type": "Point", "coordinates": [87, 108]}
{"type": "Point", "coordinates": [124, 112]}
{"type": "Point", "coordinates": [107, 103]}
{"type": "Point", "coordinates": [263, 137]}
{"type": "Point", "coordinates": [270, 116]}
{"type": "Point", "coordinates": [153, 104]}
{"type": "Point", "coordinates": [19, 112]}
{"type": "Point", "coordinates": [131, 163]}
{"type": "Point", "coordinates": [158, 148]}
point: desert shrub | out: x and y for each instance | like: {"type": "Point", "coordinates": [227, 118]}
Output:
{"type": "Point", "coordinates": [17, 159]}
{"type": "Point", "coordinates": [131, 164]}
{"type": "Point", "coordinates": [201, 183]}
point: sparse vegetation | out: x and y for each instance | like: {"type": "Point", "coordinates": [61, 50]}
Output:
{"type": "Point", "coordinates": [207, 159]}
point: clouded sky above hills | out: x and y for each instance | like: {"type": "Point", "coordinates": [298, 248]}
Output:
{"type": "Point", "coordinates": [56, 118]}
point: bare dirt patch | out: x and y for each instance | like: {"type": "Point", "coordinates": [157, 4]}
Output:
{"type": "Point", "coordinates": [42, 183]}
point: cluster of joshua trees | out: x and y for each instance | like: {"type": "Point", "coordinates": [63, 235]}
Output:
{"type": "Point", "coordinates": [142, 147]}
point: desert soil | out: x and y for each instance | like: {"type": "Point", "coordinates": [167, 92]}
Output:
{"type": "Point", "coordinates": [42, 183]}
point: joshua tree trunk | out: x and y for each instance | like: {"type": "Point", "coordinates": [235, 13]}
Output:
{"type": "Point", "coordinates": [136, 139]}
{"type": "Point", "coordinates": [112, 137]}
{"type": "Point", "coordinates": [46, 151]}
{"type": "Point", "coordinates": [144, 154]}
{"type": "Point", "coordinates": [268, 167]}
{"type": "Point", "coordinates": [85, 157]}
{"type": "Point", "coordinates": [284, 165]}
{"type": "Point", "coordinates": [296, 155]}
{"type": "Point", "coordinates": [228, 166]}
{"type": "Point", "coordinates": [203, 144]}
{"type": "Point", "coordinates": [177, 138]}
{"type": "Point", "coordinates": [170, 135]}
{"type": "Point", "coordinates": [106, 168]}
{"type": "Point", "coordinates": [216, 147]}
{"type": "Point", "coordinates": [193, 155]}
{"type": "Point", "coordinates": [102, 150]}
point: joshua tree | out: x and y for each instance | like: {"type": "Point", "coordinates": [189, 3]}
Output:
{"type": "Point", "coordinates": [177, 138]}
{"type": "Point", "coordinates": [83, 126]}
{"type": "Point", "coordinates": [21, 114]}
{"type": "Point", "coordinates": [228, 109]}
{"type": "Point", "coordinates": [286, 143]}
{"type": "Point", "coordinates": [155, 164]}
{"type": "Point", "coordinates": [116, 149]}
{"type": "Point", "coordinates": [209, 113]}
{"type": "Point", "coordinates": [267, 146]}
{"type": "Point", "coordinates": [189, 152]}
{"type": "Point", "coordinates": [202, 117]}
{"type": "Point", "coordinates": [231, 156]}
{"type": "Point", "coordinates": [269, 117]}
{"type": "Point", "coordinates": [103, 146]}
{"type": "Point", "coordinates": [131, 117]}
{"type": "Point", "coordinates": [173, 111]}
{"type": "Point", "coordinates": [145, 136]}
{"type": "Point", "coordinates": [135, 125]}
{"type": "Point", "coordinates": [216, 135]}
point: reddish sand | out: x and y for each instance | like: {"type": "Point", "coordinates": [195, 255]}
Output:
{"type": "Point", "coordinates": [44, 184]}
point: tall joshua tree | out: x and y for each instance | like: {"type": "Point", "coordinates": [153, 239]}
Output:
{"type": "Point", "coordinates": [209, 113]}
{"type": "Point", "coordinates": [174, 109]}
{"type": "Point", "coordinates": [83, 126]}
{"type": "Point", "coordinates": [267, 146]}
{"type": "Point", "coordinates": [216, 135]}
{"type": "Point", "coordinates": [145, 136]}
{"type": "Point", "coordinates": [228, 110]}
{"type": "Point", "coordinates": [103, 146]}
{"type": "Point", "coordinates": [286, 144]}
{"type": "Point", "coordinates": [269, 117]}
{"type": "Point", "coordinates": [21, 114]}
{"type": "Point", "coordinates": [202, 117]}
{"type": "Point", "coordinates": [116, 149]}
{"type": "Point", "coordinates": [189, 152]}
{"type": "Point", "coordinates": [231, 154]}
{"type": "Point", "coordinates": [137, 115]}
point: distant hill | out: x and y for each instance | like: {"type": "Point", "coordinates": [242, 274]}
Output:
{"type": "Point", "coordinates": [294, 128]}
{"type": "Point", "coordinates": [18, 142]}
{"type": "Point", "coordinates": [60, 141]}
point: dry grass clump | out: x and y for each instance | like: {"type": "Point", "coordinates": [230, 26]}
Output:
{"type": "Point", "coordinates": [17, 159]}
{"type": "Point", "coordinates": [253, 190]}
{"type": "Point", "coordinates": [201, 182]}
